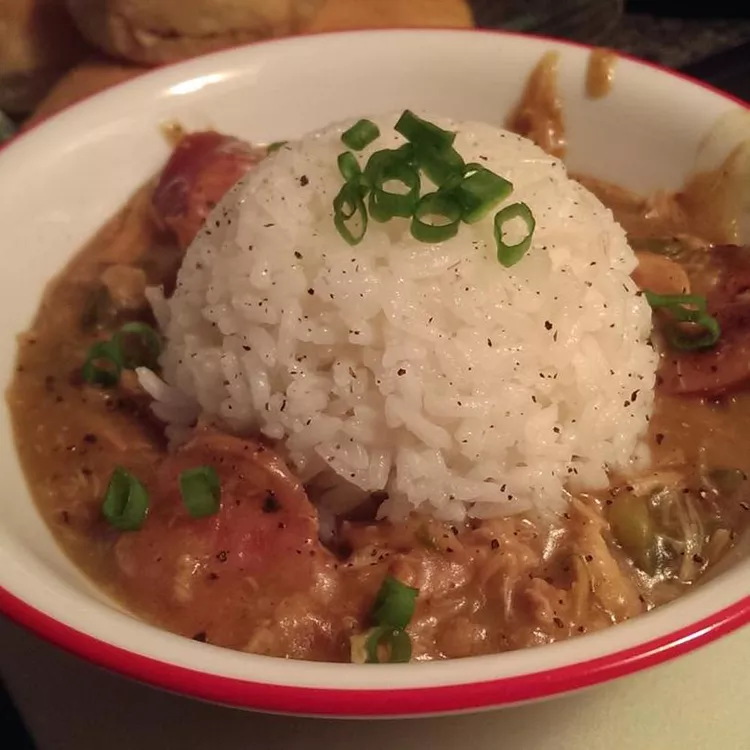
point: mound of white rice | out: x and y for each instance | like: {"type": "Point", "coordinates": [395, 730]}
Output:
{"type": "Point", "coordinates": [431, 371]}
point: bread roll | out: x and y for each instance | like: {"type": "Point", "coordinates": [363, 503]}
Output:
{"type": "Point", "coordinates": [370, 14]}
{"type": "Point", "coordinates": [92, 76]}
{"type": "Point", "coordinates": [151, 32]}
{"type": "Point", "coordinates": [38, 43]}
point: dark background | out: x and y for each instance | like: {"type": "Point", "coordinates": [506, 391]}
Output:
{"type": "Point", "coordinates": [709, 40]}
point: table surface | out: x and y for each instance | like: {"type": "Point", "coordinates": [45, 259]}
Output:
{"type": "Point", "coordinates": [697, 702]}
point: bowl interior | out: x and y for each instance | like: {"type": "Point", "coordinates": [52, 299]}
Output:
{"type": "Point", "coordinates": [61, 181]}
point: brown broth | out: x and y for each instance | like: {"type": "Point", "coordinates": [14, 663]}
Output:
{"type": "Point", "coordinates": [600, 73]}
{"type": "Point", "coordinates": [484, 586]}
{"type": "Point", "coordinates": [538, 114]}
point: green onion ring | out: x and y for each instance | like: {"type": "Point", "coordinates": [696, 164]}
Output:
{"type": "Point", "coordinates": [396, 640]}
{"type": "Point", "coordinates": [148, 344]}
{"type": "Point", "coordinates": [385, 204]}
{"type": "Point", "coordinates": [480, 191]}
{"type": "Point", "coordinates": [682, 340]}
{"type": "Point", "coordinates": [125, 503]}
{"type": "Point", "coordinates": [509, 255]}
{"type": "Point", "coordinates": [105, 376]}
{"type": "Point", "coordinates": [422, 132]}
{"type": "Point", "coordinates": [679, 305]}
{"type": "Point", "coordinates": [360, 135]}
{"type": "Point", "coordinates": [437, 205]}
{"type": "Point", "coordinates": [385, 159]}
{"type": "Point", "coordinates": [348, 166]}
{"type": "Point", "coordinates": [442, 166]}
{"type": "Point", "coordinates": [686, 308]}
{"type": "Point", "coordinates": [394, 604]}
{"type": "Point", "coordinates": [201, 491]}
{"type": "Point", "coordinates": [348, 205]}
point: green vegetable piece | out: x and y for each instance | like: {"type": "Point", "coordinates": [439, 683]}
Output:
{"type": "Point", "coordinates": [349, 166]}
{"type": "Point", "coordinates": [126, 502]}
{"type": "Point", "coordinates": [384, 203]}
{"type": "Point", "coordinates": [441, 165]}
{"type": "Point", "coordinates": [507, 254]}
{"type": "Point", "coordinates": [633, 528]}
{"type": "Point", "coordinates": [479, 192]}
{"type": "Point", "coordinates": [686, 308]}
{"type": "Point", "coordinates": [349, 213]}
{"type": "Point", "coordinates": [394, 604]}
{"type": "Point", "coordinates": [201, 491]}
{"type": "Point", "coordinates": [103, 364]}
{"type": "Point", "coordinates": [360, 135]}
{"type": "Point", "coordinates": [138, 344]}
{"type": "Point", "coordinates": [397, 642]}
{"type": "Point", "coordinates": [422, 132]}
{"type": "Point", "coordinates": [387, 159]}
{"type": "Point", "coordinates": [436, 218]}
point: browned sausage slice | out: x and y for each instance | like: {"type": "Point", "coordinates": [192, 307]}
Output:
{"type": "Point", "coordinates": [723, 368]}
{"type": "Point", "coordinates": [223, 570]}
{"type": "Point", "coordinates": [726, 366]}
{"type": "Point", "coordinates": [202, 168]}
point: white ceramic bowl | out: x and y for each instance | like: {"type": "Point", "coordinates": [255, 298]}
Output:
{"type": "Point", "coordinates": [61, 181]}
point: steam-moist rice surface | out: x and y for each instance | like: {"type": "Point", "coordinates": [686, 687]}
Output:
{"type": "Point", "coordinates": [460, 386]}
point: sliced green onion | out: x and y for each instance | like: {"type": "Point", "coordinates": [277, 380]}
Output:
{"type": "Point", "coordinates": [201, 491]}
{"type": "Point", "coordinates": [387, 159]}
{"type": "Point", "coordinates": [134, 345]}
{"type": "Point", "coordinates": [139, 345]}
{"type": "Point", "coordinates": [125, 503]}
{"type": "Point", "coordinates": [464, 192]}
{"type": "Point", "coordinates": [396, 641]}
{"type": "Point", "coordinates": [683, 307]}
{"type": "Point", "coordinates": [445, 213]}
{"type": "Point", "coordinates": [349, 213]}
{"type": "Point", "coordinates": [275, 146]}
{"type": "Point", "coordinates": [480, 191]}
{"type": "Point", "coordinates": [360, 135]}
{"type": "Point", "coordinates": [349, 166]}
{"type": "Point", "coordinates": [423, 133]}
{"type": "Point", "coordinates": [441, 165]}
{"type": "Point", "coordinates": [687, 308]}
{"type": "Point", "coordinates": [385, 204]}
{"type": "Point", "coordinates": [394, 604]}
{"type": "Point", "coordinates": [679, 339]}
{"type": "Point", "coordinates": [507, 254]}
{"type": "Point", "coordinates": [103, 365]}
{"type": "Point", "coordinates": [392, 612]}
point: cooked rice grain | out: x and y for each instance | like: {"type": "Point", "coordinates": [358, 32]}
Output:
{"type": "Point", "coordinates": [460, 386]}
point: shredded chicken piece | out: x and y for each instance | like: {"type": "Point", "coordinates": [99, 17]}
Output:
{"type": "Point", "coordinates": [679, 509]}
{"type": "Point", "coordinates": [462, 637]}
{"type": "Point", "coordinates": [610, 585]}
{"type": "Point", "coordinates": [718, 544]}
{"type": "Point", "coordinates": [431, 573]}
{"type": "Point", "coordinates": [293, 629]}
{"type": "Point", "coordinates": [660, 274]}
{"type": "Point", "coordinates": [547, 603]}
{"type": "Point", "coordinates": [582, 588]}
{"type": "Point", "coordinates": [126, 285]}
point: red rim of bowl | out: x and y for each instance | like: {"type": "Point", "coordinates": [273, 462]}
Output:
{"type": "Point", "coordinates": [388, 702]}
{"type": "Point", "coordinates": [391, 703]}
